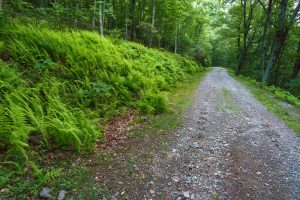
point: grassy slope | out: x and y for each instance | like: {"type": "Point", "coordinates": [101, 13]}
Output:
{"type": "Point", "coordinates": [270, 97]}
{"type": "Point", "coordinates": [79, 171]}
{"type": "Point", "coordinates": [68, 80]}
{"type": "Point", "coordinates": [58, 88]}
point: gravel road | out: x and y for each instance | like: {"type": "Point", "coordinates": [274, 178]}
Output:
{"type": "Point", "coordinates": [230, 147]}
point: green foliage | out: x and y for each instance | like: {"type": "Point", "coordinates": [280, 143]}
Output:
{"type": "Point", "coordinates": [152, 103]}
{"type": "Point", "coordinates": [58, 84]}
{"type": "Point", "coordinates": [277, 92]}
{"type": "Point", "coordinates": [290, 115]}
{"type": "Point", "coordinates": [294, 86]}
{"type": "Point", "coordinates": [1, 47]}
{"type": "Point", "coordinates": [37, 116]}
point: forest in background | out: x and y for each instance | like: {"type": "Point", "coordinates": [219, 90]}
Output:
{"type": "Point", "coordinates": [258, 38]}
{"type": "Point", "coordinates": [178, 26]}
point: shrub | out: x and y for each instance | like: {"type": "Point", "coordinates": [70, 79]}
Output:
{"type": "Point", "coordinates": [37, 115]}
{"type": "Point", "coordinates": [1, 47]}
{"type": "Point", "coordinates": [277, 92]}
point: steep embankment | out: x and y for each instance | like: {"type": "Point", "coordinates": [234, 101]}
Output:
{"type": "Point", "coordinates": [55, 86]}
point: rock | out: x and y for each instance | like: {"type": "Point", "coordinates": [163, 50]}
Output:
{"type": "Point", "coordinates": [214, 194]}
{"type": "Point", "coordinates": [117, 194]}
{"type": "Point", "coordinates": [186, 194]}
{"type": "Point", "coordinates": [258, 173]}
{"type": "Point", "coordinates": [170, 155]}
{"type": "Point", "coordinates": [196, 196]}
{"type": "Point", "coordinates": [3, 190]}
{"type": "Point", "coordinates": [175, 179]}
{"type": "Point", "coordinates": [167, 196]}
{"type": "Point", "coordinates": [62, 195]}
{"type": "Point", "coordinates": [190, 129]}
{"type": "Point", "coordinates": [151, 191]}
{"type": "Point", "coordinates": [195, 145]}
{"type": "Point", "coordinates": [45, 193]}
{"type": "Point", "coordinates": [192, 196]}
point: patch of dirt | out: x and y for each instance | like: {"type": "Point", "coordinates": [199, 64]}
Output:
{"type": "Point", "coordinates": [116, 130]}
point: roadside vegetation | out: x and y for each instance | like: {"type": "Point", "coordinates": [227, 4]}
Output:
{"type": "Point", "coordinates": [75, 172]}
{"type": "Point", "coordinates": [274, 99]}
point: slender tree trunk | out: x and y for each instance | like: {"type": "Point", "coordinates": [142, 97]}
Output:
{"type": "Point", "coordinates": [76, 18]}
{"type": "Point", "coordinates": [264, 37]}
{"type": "Point", "coordinates": [132, 18]}
{"type": "Point", "coordinates": [176, 40]}
{"type": "Point", "coordinates": [153, 21]}
{"type": "Point", "coordinates": [101, 19]}
{"type": "Point", "coordinates": [1, 3]}
{"type": "Point", "coordinates": [239, 40]}
{"type": "Point", "coordinates": [296, 67]}
{"type": "Point", "coordinates": [242, 50]}
{"type": "Point", "coordinates": [113, 22]}
{"type": "Point", "coordinates": [280, 37]}
{"type": "Point", "coordinates": [246, 25]}
{"type": "Point", "coordinates": [126, 21]}
{"type": "Point", "coordinates": [94, 18]}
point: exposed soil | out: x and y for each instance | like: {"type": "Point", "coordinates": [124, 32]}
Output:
{"type": "Point", "coordinates": [230, 147]}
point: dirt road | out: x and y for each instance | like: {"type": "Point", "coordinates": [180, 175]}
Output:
{"type": "Point", "coordinates": [230, 147]}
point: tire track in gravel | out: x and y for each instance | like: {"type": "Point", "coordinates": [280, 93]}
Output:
{"type": "Point", "coordinates": [230, 147]}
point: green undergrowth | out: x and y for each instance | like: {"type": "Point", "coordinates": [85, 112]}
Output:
{"type": "Point", "coordinates": [76, 173]}
{"type": "Point", "coordinates": [58, 87]}
{"type": "Point", "coordinates": [270, 97]}
{"type": "Point", "coordinates": [180, 100]}
{"type": "Point", "coordinates": [277, 92]}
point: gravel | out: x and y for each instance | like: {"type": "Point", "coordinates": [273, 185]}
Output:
{"type": "Point", "coordinates": [228, 152]}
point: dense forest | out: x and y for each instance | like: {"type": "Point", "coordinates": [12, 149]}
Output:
{"type": "Point", "coordinates": [178, 26]}
{"type": "Point", "coordinates": [69, 66]}
{"type": "Point", "coordinates": [257, 38]}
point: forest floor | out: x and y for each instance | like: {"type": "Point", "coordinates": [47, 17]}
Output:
{"type": "Point", "coordinates": [220, 143]}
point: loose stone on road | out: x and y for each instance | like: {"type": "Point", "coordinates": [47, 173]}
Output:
{"type": "Point", "coordinates": [230, 147]}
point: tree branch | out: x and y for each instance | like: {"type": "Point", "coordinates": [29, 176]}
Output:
{"type": "Point", "coordinates": [263, 6]}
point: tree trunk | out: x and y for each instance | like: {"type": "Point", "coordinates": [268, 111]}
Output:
{"type": "Point", "coordinates": [153, 21]}
{"type": "Point", "coordinates": [132, 18]}
{"type": "Point", "coordinates": [239, 41]}
{"type": "Point", "coordinates": [94, 18]}
{"type": "Point", "coordinates": [264, 37]}
{"type": "Point", "coordinates": [176, 40]}
{"type": "Point", "coordinates": [101, 19]}
{"type": "Point", "coordinates": [242, 50]}
{"type": "Point", "coordinates": [296, 68]}
{"type": "Point", "coordinates": [280, 38]}
{"type": "Point", "coordinates": [246, 24]}
{"type": "Point", "coordinates": [126, 21]}
{"type": "Point", "coordinates": [76, 17]}
{"type": "Point", "coordinates": [1, 2]}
